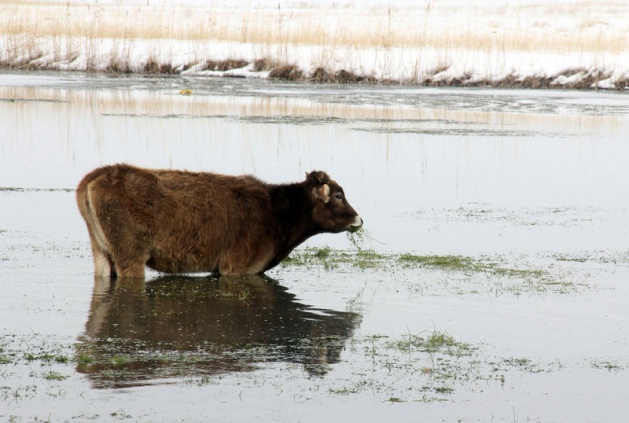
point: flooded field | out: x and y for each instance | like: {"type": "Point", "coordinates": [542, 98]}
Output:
{"type": "Point", "coordinates": [494, 285]}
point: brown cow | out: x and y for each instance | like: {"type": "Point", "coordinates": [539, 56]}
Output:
{"type": "Point", "coordinates": [175, 221]}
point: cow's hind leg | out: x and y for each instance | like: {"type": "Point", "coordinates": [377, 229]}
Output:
{"type": "Point", "coordinates": [103, 266]}
{"type": "Point", "coordinates": [87, 198]}
{"type": "Point", "coordinates": [131, 268]}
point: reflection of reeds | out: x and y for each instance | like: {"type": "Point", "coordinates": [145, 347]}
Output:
{"type": "Point", "coordinates": [109, 37]}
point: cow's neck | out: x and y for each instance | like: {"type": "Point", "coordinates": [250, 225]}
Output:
{"type": "Point", "coordinates": [293, 210]}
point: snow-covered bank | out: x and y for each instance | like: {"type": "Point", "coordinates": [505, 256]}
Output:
{"type": "Point", "coordinates": [580, 44]}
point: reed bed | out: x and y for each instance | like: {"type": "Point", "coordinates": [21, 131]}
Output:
{"type": "Point", "coordinates": [431, 43]}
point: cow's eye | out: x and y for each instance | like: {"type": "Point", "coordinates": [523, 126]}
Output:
{"type": "Point", "coordinates": [339, 195]}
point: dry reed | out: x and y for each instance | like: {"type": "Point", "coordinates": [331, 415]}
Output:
{"type": "Point", "coordinates": [49, 35]}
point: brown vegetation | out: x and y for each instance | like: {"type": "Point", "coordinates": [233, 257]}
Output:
{"type": "Point", "coordinates": [75, 36]}
{"type": "Point", "coordinates": [286, 72]}
{"type": "Point", "coordinates": [290, 72]}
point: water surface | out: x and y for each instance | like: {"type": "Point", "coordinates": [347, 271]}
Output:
{"type": "Point", "coordinates": [526, 185]}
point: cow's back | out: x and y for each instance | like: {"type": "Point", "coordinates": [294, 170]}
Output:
{"type": "Point", "coordinates": [208, 222]}
{"type": "Point", "coordinates": [182, 221]}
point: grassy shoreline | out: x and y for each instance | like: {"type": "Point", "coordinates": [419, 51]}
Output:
{"type": "Point", "coordinates": [478, 45]}
{"type": "Point", "coordinates": [571, 79]}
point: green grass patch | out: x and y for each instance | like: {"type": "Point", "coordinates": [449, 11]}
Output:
{"type": "Point", "coordinates": [431, 343]}
{"type": "Point", "coordinates": [425, 367]}
{"type": "Point", "coordinates": [47, 357]}
{"type": "Point", "coordinates": [460, 274]}
{"type": "Point", "coordinates": [442, 262]}
{"type": "Point", "coordinates": [607, 365]}
{"type": "Point", "coordinates": [119, 360]}
{"type": "Point", "coordinates": [54, 376]}
{"type": "Point", "coordinates": [370, 259]}
{"type": "Point", "coordinates": [332, 259]}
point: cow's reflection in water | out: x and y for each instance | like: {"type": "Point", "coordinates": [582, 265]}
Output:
{"type": "Point", "coordinates": [187, 327]}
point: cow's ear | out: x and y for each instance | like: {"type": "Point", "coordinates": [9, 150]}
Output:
{"type": "Point", "coordinates": [322, 193]}
{"type": "Point", "coordinates": [318, 177]}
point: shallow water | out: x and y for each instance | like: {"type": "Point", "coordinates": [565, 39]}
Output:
{"type": "Point", "coordinates": [527, 185]}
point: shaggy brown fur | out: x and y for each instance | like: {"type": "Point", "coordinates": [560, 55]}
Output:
{"type": "Point", "coordinates": [175, 221]}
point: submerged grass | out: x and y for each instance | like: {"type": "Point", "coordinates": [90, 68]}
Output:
{"type": "Point", "coordinates": [430, 366]}
{"type": "Point", "coordinates": [426, 366]}
{"type": "Point", "coordinates": [444, 262]}
{"type": "Point", "coordinates": [461, 274]}
{"type": "Point", "coordinates": [370, 259]}
{"type": "Point", "coordinates": [432, 342]}
{"type": "Point", "coordinates": [413, 367]}
{"type": "Point", "coordinates": [332, 259]}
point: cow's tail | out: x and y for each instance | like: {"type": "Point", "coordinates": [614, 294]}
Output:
{"type": "Point", "coordinates": [86, 198]}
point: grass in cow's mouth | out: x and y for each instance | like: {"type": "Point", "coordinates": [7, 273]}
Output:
{"type": "Point", "coordinates": [358, 236]}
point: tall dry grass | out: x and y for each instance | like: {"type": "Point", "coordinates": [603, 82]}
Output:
{"type": "Point", "coordinates": [577, 26]}
{"type": "Point", "coordinates": [34, 34]}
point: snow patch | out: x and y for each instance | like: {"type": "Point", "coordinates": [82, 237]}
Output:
{"type": "Point", "coordinates": [449, 44]}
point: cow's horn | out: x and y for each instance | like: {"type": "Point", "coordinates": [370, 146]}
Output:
{"type": "Point", "coordinates": [319, 177]}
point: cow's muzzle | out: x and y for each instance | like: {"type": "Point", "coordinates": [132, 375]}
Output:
{"type": "Point", "coordinates": [356, 224]}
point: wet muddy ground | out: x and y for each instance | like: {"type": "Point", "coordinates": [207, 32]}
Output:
{"type": "Point", "coordinates": [493, 286]}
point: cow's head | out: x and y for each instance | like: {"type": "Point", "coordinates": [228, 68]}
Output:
{"type": "Point", "coordinates": [331, 211]}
